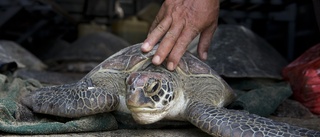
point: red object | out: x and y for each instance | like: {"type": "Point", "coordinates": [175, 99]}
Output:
{"type": "Point", "coordinates": [303, 75]}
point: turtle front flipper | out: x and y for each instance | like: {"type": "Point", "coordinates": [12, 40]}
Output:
{"type": "Point", "coordinates": [72, 100]}
{"type": "Point", "coordinates": [224, 122]}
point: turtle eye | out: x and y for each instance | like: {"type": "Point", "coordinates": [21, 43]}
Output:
{"type": "Point", "coordinates": [153, 86]}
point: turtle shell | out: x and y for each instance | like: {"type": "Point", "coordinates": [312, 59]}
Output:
{"type": "Point", "coordinates": [132, 59]}
{"type": "Point", "coordinates": [85, 53]}
{"type": "Point", "coordinates": [192, 73]}
{"type": "Point", "coordinates": [11, 53]}
{"type": "Point", "coordinates": [237, 52]}
{"type": "Point", "coordinates": [96, 46]}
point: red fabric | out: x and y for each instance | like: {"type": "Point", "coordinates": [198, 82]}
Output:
{"type": "Point", "coordinates": [304, 77]}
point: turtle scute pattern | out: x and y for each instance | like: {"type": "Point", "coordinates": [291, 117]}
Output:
{"type": "Point", "coordinates": [97, 92]}
{"type": "Point", "coordinates": [202, 83]}
{"type": "Point", "coordinates": [223, 122]}
{"type": "Point", "coordinates": [205, 94]}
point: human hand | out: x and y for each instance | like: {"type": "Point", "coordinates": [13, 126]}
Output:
{"type": "Point", "coordinates": [178, 22]}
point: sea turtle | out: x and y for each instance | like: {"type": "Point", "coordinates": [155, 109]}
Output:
{"type": "Point", "coordinates": [250, 65]}
{"type": "Point", "coordinates": [96, 47]}
{"type": "Point", "coordinates": [14, 56]}
{"type": "Point", "coordinates": [128, 82]}
{"type": "Point", "coordinates": [238, 52]}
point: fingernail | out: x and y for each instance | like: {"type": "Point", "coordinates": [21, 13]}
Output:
{"type": "Point", "coordinates": [156, 59]}
{"type": "Point", "coordinates": [145, 46]}
{"type": "Point", "coordinates": [204, 55]}
{"type": "Point", "coordinates": [170, 66]}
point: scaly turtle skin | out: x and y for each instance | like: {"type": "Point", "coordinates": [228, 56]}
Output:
{"type": "Point", "coordinates": [129, 82]}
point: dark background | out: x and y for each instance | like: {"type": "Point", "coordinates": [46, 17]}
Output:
{"type": "Point", "coordinates": [288, 25]}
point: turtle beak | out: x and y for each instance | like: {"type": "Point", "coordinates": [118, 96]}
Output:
{"type": "Point", "coordinates": [136, 98]}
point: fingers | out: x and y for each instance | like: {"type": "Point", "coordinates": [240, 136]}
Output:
{"type": "Point", "coordinates": [167, 43]}
{"type": "Point", "coordinates": [187, 35]}
{"type": "Point", "coordinates": [154, 24]}
{"type": "Point", "coordinates": [178, 22]}
{"type": "Point", "coordinates": [157, 19]}
{"type": "Point", "coordinates": [205, 42]}
{"type": "Point", "coordinates": [158, 28]}
{"type": "Point", "coordinates": [156, 34]}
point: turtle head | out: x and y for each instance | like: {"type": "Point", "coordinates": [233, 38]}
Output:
{"type": "Point", "coordinates": [149, 96]}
